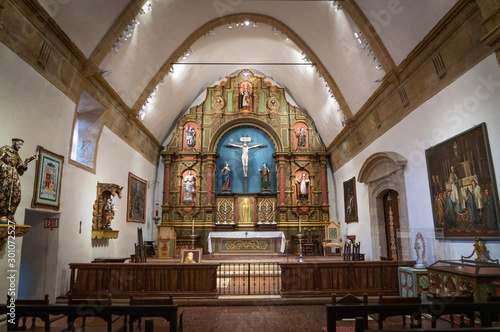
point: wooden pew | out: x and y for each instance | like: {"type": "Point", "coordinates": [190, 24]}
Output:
{"type": "Point", "coordinates": [146, 301]}
{"type": "Point", "coordinates": [442, 303]}
{"type": "Point", "coordinates": [89, 307]}
{"type": "Point", "coordinates": [340, 311]}
{"type": "Point", "coordinates": [167, 311]}
{"type": "Point", "coordinates": [44, 317]}
{"type": "Point", "coordinates": [396, 300]}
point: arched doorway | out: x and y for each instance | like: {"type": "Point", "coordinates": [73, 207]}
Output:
{"type": "Point", "coordinates": [383, 172]}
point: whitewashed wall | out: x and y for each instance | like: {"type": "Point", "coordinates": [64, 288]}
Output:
{"type": "Point", "coordinates": [470, 100]}
{"type": "Point", "coordinates": [33, 109]}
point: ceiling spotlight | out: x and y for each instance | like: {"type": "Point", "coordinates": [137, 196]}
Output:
{"type": "Point", "coordinates": [237, 24]}
{"type": "Point", "coordinates": [230, 26]}
{"type": "Point", "coordinates": [379, 80]}
{"type": "Point", "coordinates": [106, 72]}
{"type": "Point", "coordinates": [379, 66]}
{"type": "Point", "coordinates": [254, 24]}
{"type": "Point", "coordinates": [373, 60]}
{"type": "Point", "coordinates": [247, 23]}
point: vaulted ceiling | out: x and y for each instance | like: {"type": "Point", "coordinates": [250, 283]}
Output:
{"type": "Point", "coordinates": [309, 47]}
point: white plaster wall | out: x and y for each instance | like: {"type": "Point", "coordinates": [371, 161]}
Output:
{"type": "Point", "coordinates": [470, 100]}
{"type": "Point", "coordinates": [36, 111]}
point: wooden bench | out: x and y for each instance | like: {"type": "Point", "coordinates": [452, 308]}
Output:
{"type": "Point", "coordinates": [146, 301]}
{"type": "Point", "coordinates": [44, 317]}
{"type": "Point", "coordinates": [89, 307]}
{"type": "Point", "coordinates": [396, 300]}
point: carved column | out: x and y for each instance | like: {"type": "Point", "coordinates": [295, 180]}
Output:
{"type": "Point", "coordinates": [324, 187]}
{"type": "Point", "coordinates": [167, 162]}
{"type": "Point", "coordinates": [281, 164]}
{"type": "Point", "coordinates": [210, 165]}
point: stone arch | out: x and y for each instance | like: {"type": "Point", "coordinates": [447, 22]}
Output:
{"type": "Point", "coordinates": [384, 171]}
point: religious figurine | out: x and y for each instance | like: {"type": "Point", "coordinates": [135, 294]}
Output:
{"type": "Point", "coordinates": [226, 178]}
{"type": "Point", "coordinates": [189, 188]}
{"type": "Point", "coordinates": [246, 98]}
{"type": "Point", "coordinates": [109, 213]}
{"type": "Point", "coordinates": [265, 175]}
{"type": "Point", "coordinates": [190, 137]}
{"type": "Point", "coordinates": [244, 153]}
{"type": "Point", "coordinates": [301, 138]}
{"type": "Point", "coordinates": [303, 186]}
{"type": "Point", "coordinates": [10, 184]}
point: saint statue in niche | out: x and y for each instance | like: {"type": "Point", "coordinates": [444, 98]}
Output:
{"type": "Point", "coordinates": [189, 181]}
{"type": "Point", "coordinates": [190, 137]}
{"type": "Point", "coordinates": [265, 175]}
{"type": "Point", "coordinates": [303, 187]}
{"type": "Point", "coordinates": [301, 138]}
{"type": "Point", "coordinates": [246, 96]}
{"type": "Point", "coordinates": [226, 178]}
{"type": "Point", "coordinates": [244, 153]}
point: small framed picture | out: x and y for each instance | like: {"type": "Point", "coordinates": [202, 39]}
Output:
{"type": "Point", "coordinates": [47, 190]}
{"type": "Point", "coordinates": [191, 256]}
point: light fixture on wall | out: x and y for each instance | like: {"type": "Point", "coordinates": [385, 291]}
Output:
{"type": "Point", "coordinates": [126, 34]}
{"type": "Point", "coordinates": [156, 217]}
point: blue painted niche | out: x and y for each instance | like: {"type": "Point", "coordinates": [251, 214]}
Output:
{"type": "Point", "coordinates": [256, 157]}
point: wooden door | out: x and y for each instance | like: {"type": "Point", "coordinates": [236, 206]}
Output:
{"type": "Point", "coordinates": [391, 217]}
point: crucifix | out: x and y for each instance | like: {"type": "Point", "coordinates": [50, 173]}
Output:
{"type": "Point", "coordinates": [244, 151]}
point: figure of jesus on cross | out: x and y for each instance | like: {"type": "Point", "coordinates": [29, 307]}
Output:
{"type": "Point", "coordinates": [244, 151]}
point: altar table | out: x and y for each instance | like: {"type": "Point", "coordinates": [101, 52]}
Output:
{"type": "Point", "coordinates": [246, 242]}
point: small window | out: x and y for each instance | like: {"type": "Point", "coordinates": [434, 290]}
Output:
{"type": "Point", "coordinates": [89, 119]}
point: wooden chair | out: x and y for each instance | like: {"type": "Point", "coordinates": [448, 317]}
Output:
{"type": "Point", "coordinates": [333, 237]}
{"type": "Point", "coordinates": [146, 300]}
{"type": "Point", "coordinates": [399, 300]}
{"type": "Point", "coordinates": [356, 255]}
{"type": "Point", "coordinates": [44, 317]}
{"type": "Point", "coordinates": [347, 251]}
{"type": "Point", "coordinates": [351, 299]}
{"type": "Point", "coordinates": [90, 304]}
{"type": "Point", "coordinates": [443, 300]}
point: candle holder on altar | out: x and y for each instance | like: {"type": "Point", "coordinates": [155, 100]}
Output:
{"type": "Point", "coordinates": [193, 240]}
{"type": "Point", "coordinates": [299, 236]}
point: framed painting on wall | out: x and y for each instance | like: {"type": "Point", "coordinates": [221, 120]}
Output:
{"type": "Point", "coordinates": [350, 203]}
{"type": "Point", "coordinates": [462, 184]}
{"type": "Point", "coordinates": [48, 178]}
{"type": "Point", "coordinates": [136, 199]}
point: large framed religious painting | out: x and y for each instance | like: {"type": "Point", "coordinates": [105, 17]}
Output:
{"type": "Point", "coordinates": [350, 203]}
{"type": "Point", "coordinates": [462, 186]}
{"type": "Point", "coordinates": [48, 178]}
{"type": "Point", "coordinates": [136, 199]}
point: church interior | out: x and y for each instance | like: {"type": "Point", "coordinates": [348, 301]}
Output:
{"type": "Point", "coordinates": [203, 154]}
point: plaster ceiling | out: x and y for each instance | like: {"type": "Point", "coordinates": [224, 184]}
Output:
{"type": "Point", "coordinates": [313, 27]}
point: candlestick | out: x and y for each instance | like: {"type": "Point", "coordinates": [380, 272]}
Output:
{"type": "Point", "coordinates": [299, 225]}
{"type": "Point", "coordinates": [192, 227]}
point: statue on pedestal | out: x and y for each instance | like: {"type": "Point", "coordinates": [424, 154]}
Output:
{"type": "Point", "coordinates": [265, 175]}
{"type": "Point", "coordinates": [12, 167]}
{"type": "Point", "coordinates": [226, 178]}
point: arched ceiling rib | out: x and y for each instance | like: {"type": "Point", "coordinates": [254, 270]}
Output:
{"type": "Point", "coordinates": [314, 27]}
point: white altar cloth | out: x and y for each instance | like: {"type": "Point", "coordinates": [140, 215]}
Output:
{"type": "Point", "coordinates": [249, 235]}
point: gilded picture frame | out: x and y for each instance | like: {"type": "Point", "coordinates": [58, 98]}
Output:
{"type": "Point", "coordinates": [462, 186]}
{"type": "Point", "coordinates": [48, 180]}
{"type": "Point", "coordinates": [350, 202]}
{"type": "Point", "coordinates": [136, 199]}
